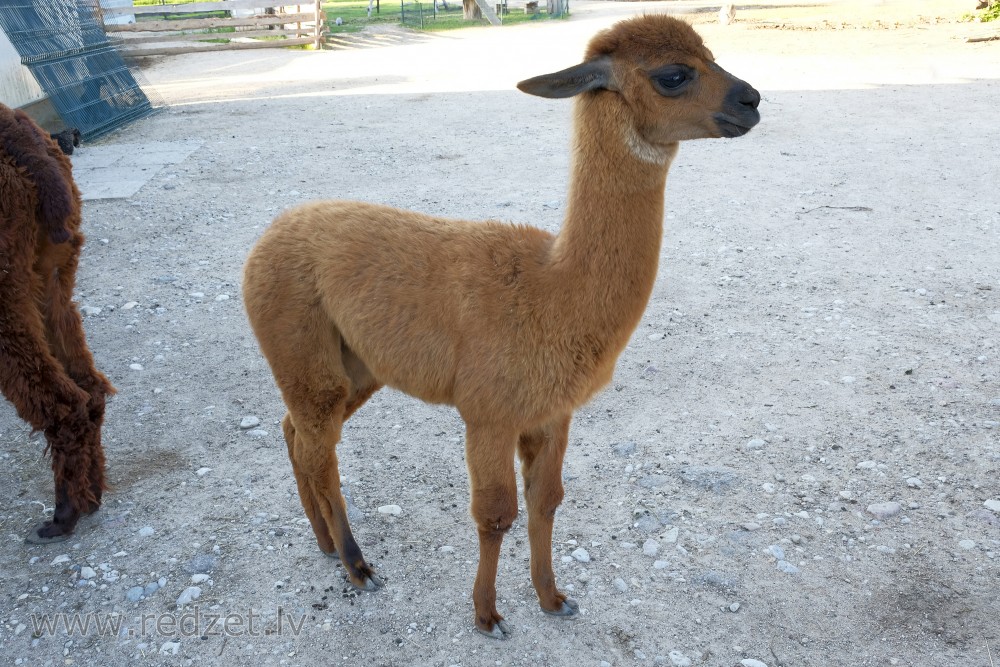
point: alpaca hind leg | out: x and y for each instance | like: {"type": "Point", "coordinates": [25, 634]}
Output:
{"type": "Point", "coordinates": [490, 458]}
{"type": "Point", "coordinates": [541, 453]}
{"type": "Point", "coordinates": [67, 341]}
{"type": "Point", "coordinates": [312, 443]}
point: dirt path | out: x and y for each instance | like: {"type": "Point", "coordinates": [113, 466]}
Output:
{"type": "Point", "coordinates": [823, 341]}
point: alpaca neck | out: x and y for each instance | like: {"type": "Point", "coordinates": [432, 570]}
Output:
{"type": "Point", "coordinates": [609, 246]}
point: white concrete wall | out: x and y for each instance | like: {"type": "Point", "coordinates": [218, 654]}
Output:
{"type": "Point", "coordinates": [17, 86]}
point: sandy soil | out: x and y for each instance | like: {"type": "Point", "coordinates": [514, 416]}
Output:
{"type": "Point", "coordinates": [822, 340]}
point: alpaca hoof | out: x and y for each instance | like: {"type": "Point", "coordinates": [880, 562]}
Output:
{"type": "Point", "coordinates": [39, 535]}
{"type": "Point", "coordinates": [570, 609]}
{"type": "Point", "coordinates": [372, 583]}
{"type": "Point", "coordinates": [501, 630]}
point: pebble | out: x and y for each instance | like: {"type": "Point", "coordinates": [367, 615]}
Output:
{"type": "Point", "coordinates": [734, 607]}
{"type": "Point", "coordinates": [200, 564]}
{"type": "Point", "coordinates": [751, 526]}
{"type": "Point", "coordinates": [61, 558]}
{"type": "Point", "coordinates": [914, 482]}
{"type": "Point", "coordinates": [161, 582]}
{"type": "Point", "coordinates": [755, 445]}
{"type": "Point", "coordinates": [620, 584]}
{"type": "Point", "coordinates": [197, 295]}
{"type": "Point", "coordinates": [660, 564]}
{"type": "Point", "coordinates": [222, 297]}
{"type": "Point", "coordinates": [992, 505]}
{"type": "Point", "coordinates": [150, 588]}
{"type": "Point", "coordinates": [670, 536]}
{"type": "Point", "coordinates": [170, 648]}
{"type": "Point", "coordinates": [776, 552]}
{"type": "Point", "coordinates": [199, 578]}
{"type": "Point", "coordinates": [134, 594]}
{"type": "Point", "coordinates": [647, 523]}
{"type": "Point", "coordinates": [884, 510]}
{"type": "Point", "coordinates": [394, 510]}
{"type": "Point", "coordinates": [655, 336]}
{"type": "Point", "coordinates": [750, 662]}
{"type": "Point", "coordinates": [787, 567]}
{"type": "Point", "coordinates": [867, 465]}
{"type": "Point", "coordinates": [87, 572]}
{"type": "Point", "coordinates": [581, 555]}
{"type": "Point", "coordinates": [678, 659]}
{"type": "Point", "coordinates": [257, 433]}
{"type": "Point", "coordinates": [201, 472]}
{"type": "Point", "coordinates": [130, 305]}
{"type": "Point", "coordinates": [767, 487]}
{"type": "Point", "coordinates": [250, 421]}
{"type": "Point", "coordinates": [967, 544]}
{"type": "Point", "coordinates": [190, 594]}
{"type": "Point", "coordinates": [90, 311]}
{"type": "Point", "coordinates": [146, 531]}
{"type": "Point", "coordinates": [650, 547]}
{"type": "Point", "coordinates": [135, 367]}
{"type": "Point", "coordinates": [624, 448]}
{"type": "Point", "coordinates": [446, 549]}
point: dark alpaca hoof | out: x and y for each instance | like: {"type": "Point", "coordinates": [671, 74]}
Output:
{"type": "Point", "coordinates": [51, 532]}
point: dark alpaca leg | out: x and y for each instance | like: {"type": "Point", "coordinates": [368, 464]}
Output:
{"type": "Point", "coordinates": [77, 459]}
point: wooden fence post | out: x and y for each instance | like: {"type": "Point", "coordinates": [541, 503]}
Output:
{"type": "Point", "coordinates": [319, 26]}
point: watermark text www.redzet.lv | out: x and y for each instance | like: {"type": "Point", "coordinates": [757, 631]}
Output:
{"type": "Point", "coordinates": [191, 623]}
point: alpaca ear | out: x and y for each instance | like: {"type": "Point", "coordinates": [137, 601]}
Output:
{"type": "Point", "coordinates": [571, 81]}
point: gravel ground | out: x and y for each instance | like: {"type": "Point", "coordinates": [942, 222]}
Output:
{"type": "Point", "coordinates": [798, 462]}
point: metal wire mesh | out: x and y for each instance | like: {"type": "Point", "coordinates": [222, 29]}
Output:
{"type": "Point", "coordinates": [64, 45]}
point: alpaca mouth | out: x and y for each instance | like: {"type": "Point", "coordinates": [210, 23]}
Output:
{"type": "Point", "coordinates": [730, 126]}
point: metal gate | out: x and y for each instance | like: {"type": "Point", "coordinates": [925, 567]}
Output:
{"type": "Point", "coordinates": [64, 45]}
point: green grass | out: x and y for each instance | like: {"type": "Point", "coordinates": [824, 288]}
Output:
{"type": "Point", "coordinates": [354, 14]}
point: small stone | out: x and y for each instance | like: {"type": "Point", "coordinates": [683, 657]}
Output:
{"type": "Point", "coordinates": [767, 487]}
{"type": "Point", "coordinates": [914, 482]}
{"type": "Point", "coordinates": [134, 594]}
{"type": "Point", "coordinates": [624, 448]}
{"type": "Point", "coordinates": [992, 505]}
{"type": "Point", "coordinates": [257, 433]}
{"type": "Point", "coordinates": [660, 564]}
{"type": "Point", "coordinates": [248, 422]}
{"type": "Point", "coordinates": [394, 510]}
{"type": "Point", "coordinates": [146, 531]}
{"type": "Point", "coordinates": [130, 305]}
{"type": "Point", "coordinates": [201, 563]}
{"type": "Point", "coordinates": [620, 584]}
{"type": "Point", "coordinates": [755, 445]}
{"type": "Point", "coordinates": [161, 582]}
{"type": "Point", "coordinates": [655, 336]}
{"type": "Point", "coordinates": [670, 536]}
{"type": "Point", "coordinates": [90, 311]}
{"type": "Point", "coordinates": [61, 558]}
{"type": "Point", "coordinates": [222, 297]}
{"type": "Point", "coordinates": [751, 526]}
{"type": "Point", "coordinates": [135, 367]}
{"type": "Point", "coordinates": [581, 555]}
{"type": "Point", "coordinates": [787, 567]}
{"type": "Point", "coordinates": [678, 659]}
{"type": "Point", "coordinates": [867, 465]}
{"type": "Point", "coordinates": [650, 547]}
{"type": "Point", "coordinates": [197, 295]}
{"type": "Point", "coordinates": [967, 544]}
{"type": "Point", "coordinates": [776, 552]}
{"type": "Point", "coordinates": [190, 594]}
{"type": "Point", "coordinates": [884, 510]}
{"type": "Point", "coordinates": [87, 572]}
{"type": "Point", "coordinates": [201, 472]}
{"type": "Point", "coordinates": [170, 648]}
{"type": "Point", "coordinates": [750, 662]}
{"type": "Point", "coordinates": [199, 578]}
{"type": "Point", "coordinates": [446, 549]}
{"type": "Point", "coordinates": [150, 588]}
{"type": "Point", "coordinates": [847, 379]}
{"type": "Point", "coordinates": [734, 607]}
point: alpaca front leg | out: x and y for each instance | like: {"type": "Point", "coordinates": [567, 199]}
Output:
{"type": "Point", "coordinates": [541, 453]}
{"type": "Point", "coordinates": [490, 458]}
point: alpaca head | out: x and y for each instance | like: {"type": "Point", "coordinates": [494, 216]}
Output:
{"type": "Point", "coordinates": [663, 80]}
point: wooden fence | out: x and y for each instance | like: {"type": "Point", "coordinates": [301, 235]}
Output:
{"type": "Point", "coordinates": [285, 25]}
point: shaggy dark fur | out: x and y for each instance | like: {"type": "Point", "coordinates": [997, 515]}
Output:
{"type": "Point", "coordinates": [46, 369]}
{"type": "Point", "coordinates": [67, 140]}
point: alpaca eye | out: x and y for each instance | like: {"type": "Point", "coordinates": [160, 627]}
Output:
{"type": "Point", "coordinates": [672, 81]}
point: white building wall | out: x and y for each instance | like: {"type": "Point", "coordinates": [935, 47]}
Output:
{"type": "Point", "coordinates": [17, 86]}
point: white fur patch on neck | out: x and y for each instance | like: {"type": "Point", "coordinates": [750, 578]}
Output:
{"type": "Point", "coordinates": [648, 152]}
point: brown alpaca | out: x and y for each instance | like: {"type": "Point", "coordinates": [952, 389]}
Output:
{"type": "Point", "coordinates": [46, 369]}
{"type": "Point", "coordinates": [512, 325]}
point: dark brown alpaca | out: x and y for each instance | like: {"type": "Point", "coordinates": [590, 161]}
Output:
{"type": "Point", "coordinates": [514, 326]}
{"type": "Point", "coordinates": [46, 369]}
